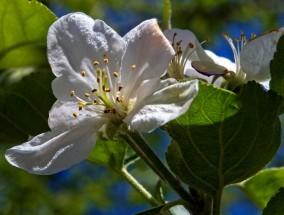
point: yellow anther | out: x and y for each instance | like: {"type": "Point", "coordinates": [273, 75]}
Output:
{"type": "Point", "coordinates": [119, 99]}
{"type": "Point", "coordinates": [191, 45]}
{"type": "Point", "coordinates": [80, 107]}
{"type": "Point", "coordinates": [96, 63]}
{"type": "Point", "coordinates": [87, 95]}
{"type": "Point", "coordinates": [105, 60]}
{"type": "Point", "coordinates": [75, 114]}
{"type": "Point", "coordinates": [133, 66]}
{"type": "Point", "coordinates": [115, 74]}
{"type": "Point", "coordinates": [94, 90]}
{"type": "Point", "coordinates": [107, 111]}
{"type": "Point", "coordinates": [83, 73]}
{"type": "Point", "coordinates": [120, 88]}
{"type": "Point", "coordinates": [72, 93]}
{"type": "Point", "coordinates": [105, 89]}
{"type": "Point", "coordinates": [95, 101]}
{"type": "Point", "coordinates": [98, 79]}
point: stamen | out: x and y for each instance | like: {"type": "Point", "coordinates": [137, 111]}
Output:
{"type": "Point", "coordinates": [107, 111]}
{"type": "Point", "coordinates": [94, 90]}
{"type": "Point", "coordinates": [113, 110]}
{"type": "Point", "coordinates": [83, 73]}
{"type": "Point", "coordinates": [115, 74]}
{"type": "Point", "coordinates": [104, 88]}
{"type": "Point", "coordinates": [80, 107]}
{"type": "Point", "coordinates": [75, 114]}
{"type": "Point", "coordinates": [118, 99]}
{"type": "Point", "coordinates": [190, 45]}
{"type": "Point", "coordinates": [98, 79]}
{"type": "Point", "coordinates": [87, 95]}
{"type": "Point", "coordinates": [133, 66]}
{"type": "Point", "coordinates": [120, 88]}
{"type": "Point", "coordinates": [96, 63]}
{"type": "Point", "coordinates": [72, 93]}
{"type": "Point", "coordinates": [105, 60]}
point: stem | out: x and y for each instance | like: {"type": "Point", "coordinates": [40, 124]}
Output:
{"type": "Point", "coordinates": [167, 13]}
{"type": "Point", "coordinates": [139, 188]}
{"type": "Point", "coordinates": [140, 146]}
{"type": "Point", "coordinates": [217, 202]}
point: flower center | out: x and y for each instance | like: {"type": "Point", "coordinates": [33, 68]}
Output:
{"type": "Point", "coordinates": [239, 77]}
{"type": "Point", "coordinates": [107, 94]}
{"type": "Point", "coordinates": [177, 64]}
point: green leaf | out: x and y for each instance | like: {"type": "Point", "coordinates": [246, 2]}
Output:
{"type": "Point", "coordinates": [275, 205]}
{"type": "Point", "coordinates": [24, 107]}
{"type": "Point", "coordinates": [224, 138]}
{"type": "Point", "coordinates": [261, 187]}
{"type": "Point", "coordinates": [109, 153]}
{"type": "Point", "coordinates": [277, 70]}
{"type": "Point", "coordinates": [23, 31]}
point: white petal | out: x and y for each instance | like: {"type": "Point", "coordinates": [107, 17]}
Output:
{"type": "Point", "coordinates": [147, 88]}
{"type": "Point", "coordinates": [162, 107]}
{"type": "Point", "coordinates": [54, 151]}
{"type": "Point", "coordinates": [61, 116]}
{"type": "Point", "coordinates": [149, 50]}
{"type": "Point", "coordinates": [74, 42]}
{"type": "Point", "coordinates": [257, 54]}
{"type": "Point", "coordinates": [186, 37]}
{"type": "Point", "coordinates": [222, 61]}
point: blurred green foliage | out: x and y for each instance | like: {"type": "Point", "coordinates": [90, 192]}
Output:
{"type": "Point", "coordinates": [204, 17]}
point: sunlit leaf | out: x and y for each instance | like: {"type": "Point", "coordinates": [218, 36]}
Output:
{"type": "Point", "coordinates": [224, 138]}
{"type": "Point", "coordinates": [24, 107]}
{"type": "Point", "coordinates": [109, 153]}
{"type": "Point", "coordinates": [23, 31]}
{"type": "Point", "coordinates": [261, 187]}
{"type": "Point", "coordinates": [275, 205]}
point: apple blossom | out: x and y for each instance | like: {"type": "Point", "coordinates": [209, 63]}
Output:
{"type": "Point", "coordinates": [103, 81]}
{"type": "Point", "coordinates": [188, 49]}
{"type": "Point", "coordinates": [252, 57]}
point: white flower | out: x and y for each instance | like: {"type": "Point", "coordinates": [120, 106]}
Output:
{"type": "Point", "coordinates": [102, 80]}
{"type": "Point", "coordinates": [188, 49]}
{"type": "Point", "coordinates": [252, 57]}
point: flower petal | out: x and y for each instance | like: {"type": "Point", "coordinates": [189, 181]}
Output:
{"type": "Point", "coordinates": [61, 116]}
{"type": "Point", "coordinates": [148, 50]}
{"type": "Point", "coordinates": [162, 107]}
{"type": "Point", "coordinates": [74, 42]}
{"type": "Point", "coordinates": [257, 53]}
{"type": "Point", "coordinates": [222, 61]}
{"type": "Point", "coordinates": [51, 152]}
{"type": "Point", "coordinates": [187, 37]}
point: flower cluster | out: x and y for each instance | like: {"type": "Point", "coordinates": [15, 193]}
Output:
{"type": "Point", "coordinates": [103, 83]}
{"type": "Point", "coordinates": [106, 84]}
